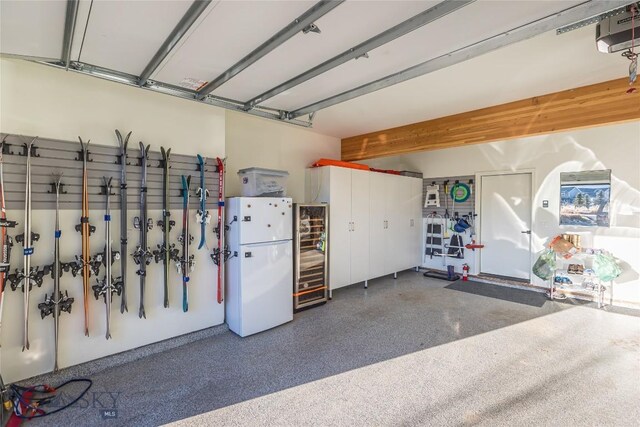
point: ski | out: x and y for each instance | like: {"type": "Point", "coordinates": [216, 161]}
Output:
{"type": "Point", "coordinates": [6, 242]}
{"type": "Point", "coordinates": [202, 214]}
{"type": "Point", "coordinates": [166, 252]}
{"type": "Point", "coordinates": [186, 263]}
{"type": "Point", "coordinates": [107, 286]}
{"type": "Point", "coordinates": [221, 253]}
{"type": "Point", "coordinates": [57, 302]}
{"type": "Point", "coordinates": [28, 276]}
{"type": "Point", "coordinates": [122, 160]}
{"type": "Point", "coordinates": [142, 254]}
{"type": "Point", "coordinates": [84, 261]}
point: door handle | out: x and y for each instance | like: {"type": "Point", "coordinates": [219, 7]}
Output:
{"type": "Point", "coordinates": [526, 232]}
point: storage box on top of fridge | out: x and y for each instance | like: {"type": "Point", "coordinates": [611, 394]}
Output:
{"type": "Point", "coordinates": [259, 182]}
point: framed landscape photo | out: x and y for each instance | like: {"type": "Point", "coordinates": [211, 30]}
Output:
{"type": "Point", "coordinates": [585, 198]}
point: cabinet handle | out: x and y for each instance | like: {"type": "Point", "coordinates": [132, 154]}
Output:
{"type": "Point", "coordinates": [353, 226]}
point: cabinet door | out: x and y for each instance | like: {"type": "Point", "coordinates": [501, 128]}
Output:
{"type": "Point", "coordinates": [339, 226]}
{"type": "Point", "coordinates": [398, 222]}
{"type": "Point", "coordinates": [377, 224]}
{"type": "Point", "coordinates": [264, 219]}
{"type": "Point", "coordinates": [266, 271]}
{"type": "Point", "coordinates": [416, 204]}
{"type": "Point", "coordinates": [360, 225]}
{"type": "Point", "coordinates": [410, 247]}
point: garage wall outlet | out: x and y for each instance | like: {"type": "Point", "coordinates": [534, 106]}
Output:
{"type": "Point", "coordinates": [545, 203]}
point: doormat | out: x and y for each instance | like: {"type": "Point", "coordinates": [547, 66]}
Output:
{"type": "Point", "coordinates": [519, 296]}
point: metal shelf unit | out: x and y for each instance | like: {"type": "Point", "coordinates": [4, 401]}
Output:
{"type": "Point", "coordinates": [586, 283]}
{"type": "Point", "coordinates": [311, 243]}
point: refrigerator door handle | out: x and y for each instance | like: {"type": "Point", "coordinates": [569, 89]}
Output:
{"type": "Point", "coordinates": [270, 243]}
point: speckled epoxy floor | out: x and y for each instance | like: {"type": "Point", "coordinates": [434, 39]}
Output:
{"type": "Point", "coordinates": [403, 352]}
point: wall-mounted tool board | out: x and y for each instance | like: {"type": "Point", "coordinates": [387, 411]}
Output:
{"type": "Point", "coordinates": [56, 156]}
{"type": "Point", "coordinates": [463, 208]}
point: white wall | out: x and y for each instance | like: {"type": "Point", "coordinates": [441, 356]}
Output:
{"type": "Point", "coordinates": [615, 147]}
{"type": "Point", "coordinates": [254, 141]}
{"type": "Point", "coordinates": [37, 100]}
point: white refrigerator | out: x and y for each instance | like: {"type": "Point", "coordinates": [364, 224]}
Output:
{"type": "Point", "coordinates": [260, 267]}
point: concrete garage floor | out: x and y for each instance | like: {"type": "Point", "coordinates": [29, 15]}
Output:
{"type": "Point", "coordinates": [404, 352]}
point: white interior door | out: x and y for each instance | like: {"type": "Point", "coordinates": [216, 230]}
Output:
{"type": "Point", "coordinates": [505, 225]}
{"type": "Point", "coordinates": [360, 225]}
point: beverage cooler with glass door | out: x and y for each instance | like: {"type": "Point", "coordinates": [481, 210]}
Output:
{"type": "Point", "coordinates": [311, 246]}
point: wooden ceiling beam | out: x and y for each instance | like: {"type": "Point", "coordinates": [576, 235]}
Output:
{"type": "Point", "coordinates": [587, 106]}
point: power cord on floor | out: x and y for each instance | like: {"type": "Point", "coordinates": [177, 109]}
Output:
{"type": "Point", "coordinates": [28, 402]}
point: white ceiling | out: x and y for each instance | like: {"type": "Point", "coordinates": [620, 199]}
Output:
{"type": "Point", "coordinates": [538, 66]}
{"type": "Point", "coordinates": [124, 36]}
{"type": "Point", "coordinates": [344, 27]}
{"type": "Point", "coordinates": [24, 33]}
{"type": "Point", "coordinates": [437, 38]}
{"type": "Point", "coordinates": [226, 35]}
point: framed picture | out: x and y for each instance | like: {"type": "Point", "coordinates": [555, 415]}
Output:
{"type": "Point", "coordinates": [585, 198]}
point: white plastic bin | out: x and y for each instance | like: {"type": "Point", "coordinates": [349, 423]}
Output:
{"type": "Point", "coordinates": [258, 182]}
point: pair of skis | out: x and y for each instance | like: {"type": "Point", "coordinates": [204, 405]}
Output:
{"type": "Point", "coordinates": [202, 215]}
{"type": "Point", "coordinates": [122, 160]}
{"type": "Point", "coordinates": [142, 255]}
{"type": "Point", "coordinates": [166, 252]}
{"type": "Point", "coordinates": [28, 275]}
{"type": "Point", "coordinates": [85, 263]}
{"type": "Point", "coordinates": [221, 253]}
{"type": "Point", "coordinates": [57, 302]}
{"type": "Point", "coordinates": [185, 264]}
{"type": "Point", "coordinates": [108, 286]}
{"type": "Point", "coordinates": [6, 242]}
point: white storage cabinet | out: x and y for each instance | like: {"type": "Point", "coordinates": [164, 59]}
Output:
{"type": "Point", "coordinates": [396, 223]}
{"type": "Point", "coordinates": [346, 190]}
{"type": "Point", "coordinates": [375, 222]}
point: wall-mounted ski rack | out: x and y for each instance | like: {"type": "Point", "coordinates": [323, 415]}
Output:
{"type": "Point", "coordinates": [51, 156]}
